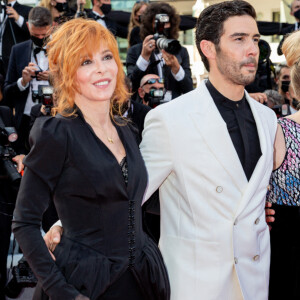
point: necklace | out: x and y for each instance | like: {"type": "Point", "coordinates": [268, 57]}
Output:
{"type": "Point", "coordinates": [109, 139]}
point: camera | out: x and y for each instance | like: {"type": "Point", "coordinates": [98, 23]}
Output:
{"type": "Point", "coordinates": [154, 97]}
{"type": "Point", "coordinates": [22, 276]}
{"type": "Point", "coordinates": [44, 95]}
{"type": "Point", "coordinates": [9, 135]}
{"type": "Point", "coordinates": [281, 110]}
{"type": "Point", "coordinates": [169, 45]}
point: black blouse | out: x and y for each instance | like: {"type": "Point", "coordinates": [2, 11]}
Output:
{"type": "Point", "coordinates": [241, 127]}
{"type": "Point", "coordinates": [101, 215]}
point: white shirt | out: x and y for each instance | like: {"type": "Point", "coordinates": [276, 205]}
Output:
{"type": "Point", "coordinates": [42, 62]}
{"type": "Point", "coordinates": [100, 21]}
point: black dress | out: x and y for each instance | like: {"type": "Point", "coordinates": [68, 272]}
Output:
{"type": "Point", "coordinates": [103, 248]}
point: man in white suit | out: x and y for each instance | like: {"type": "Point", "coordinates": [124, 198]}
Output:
{"type": "Point", "coordinates": [210, 153]}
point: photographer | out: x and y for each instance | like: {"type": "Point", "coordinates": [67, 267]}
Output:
{"type": "Point", "coordinates": [151, 90]}
{"type": "Point", "coordinates": [8, 193]}
{"type": "Point", "coordinates": [148, 58]}
{"type": "Point", "coordinates": [28, 69]}
{"type": "Point", "coordinates": [13, 29]}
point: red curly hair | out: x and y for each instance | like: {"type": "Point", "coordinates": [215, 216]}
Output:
{"type": "Point", "coordinates": [69, 45]}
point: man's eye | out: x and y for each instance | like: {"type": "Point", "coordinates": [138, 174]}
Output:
{"type": "Point", "coordinates": [256, 40]}
{"type": "Point", "coordinates": [86, 62]}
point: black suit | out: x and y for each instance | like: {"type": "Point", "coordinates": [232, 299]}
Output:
{"type": "Point", "coordinates": [21, 33]}
{"type": "Point", "coordinates": [112, 26]}
{"type": "Point", "coordinates": [137, 114]}
{"type": "Point", "coordinates": [13, 97]}
{"type": "Point", "coordinates": [7, 199]}
{"type": "Point", "coordinates": [177, 87]}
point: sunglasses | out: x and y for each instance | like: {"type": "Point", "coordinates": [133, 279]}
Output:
{"type": "Point", "coordinates": [153, 80]}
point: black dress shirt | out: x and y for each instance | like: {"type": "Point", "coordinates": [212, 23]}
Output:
{"type": "Point", "coordinates": [241, 127]}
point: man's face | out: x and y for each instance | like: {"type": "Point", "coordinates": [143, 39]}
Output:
{"type": "Point", "coordinates": [237, 53]}
{"type": "Point", "coordinates": [39, 32]}
{"type": "Point", "coordinates": [104, 2]}
{"type": "Point", "coordinates": [148, 86]}
{"type": "Point", "coordinates": [285, 74]}
{"type": "Point", "coordinates": [294, 7]}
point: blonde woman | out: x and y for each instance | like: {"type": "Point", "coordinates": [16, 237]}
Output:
{"type": "Point", "coordinates": [284, 191]}
{"type": "Point", "coordinates": [135, 22]}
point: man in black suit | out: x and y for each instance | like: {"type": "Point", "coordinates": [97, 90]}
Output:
{"type": "Point", "coordinates": [7, 199]}
{"type": "Point", "coordinates": [295, 12]}
{"type": "Point", "coordinates": [144, 59]}
{"type": "Point", "coordinates": [101, 8]}
{"type": "Point", "coordinates": [13, 28]}
{"type": "Point", "coordinates": [28, 68]}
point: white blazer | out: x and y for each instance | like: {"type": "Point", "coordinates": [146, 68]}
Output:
{"type": "Point", "coordinates": [214, 237]}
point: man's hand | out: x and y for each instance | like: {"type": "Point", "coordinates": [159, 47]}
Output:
{"type": "Point", "coordinates": [19, 160]}
{"type": "Point", "coordinates": [43, 75]}
{"type": "Point", "coordinates": [269, 214]}
{"type": "Point", "coordinates": [260, 97]}
{"type": "Point", "coordinates": [52, 238]}
{"type": "Point", "coordinates": [27, 73]}
{"type": "Point", "coordinates": [148, 47]}
{"type": "Point", "coordinates": [11, 13]}
{"type": "Point", "coordinates": [171, 61]}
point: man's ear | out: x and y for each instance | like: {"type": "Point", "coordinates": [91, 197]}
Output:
{"type": "Point", "coordinates": [27, 25]}
{"type": "Point", "coordinates": [141, 93]}
{"type": "Point", "coordinates": [208, 48]}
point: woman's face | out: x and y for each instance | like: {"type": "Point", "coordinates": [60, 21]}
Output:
{"type": "Point", "coordinates": [97, 77]}
{"type": "Point", "coordinates": [140, 12]}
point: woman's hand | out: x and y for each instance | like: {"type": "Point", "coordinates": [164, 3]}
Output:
{"type": "Point", "coordinates": [171, 61]}
{"type": "Point", "coordinates": [19, 160]}
{"type": "Point", "coordinates": [52, 238]}
{"type": "Point", "coordinates": [148, 47]}
{"type": "Point", "coordinates": [269, 214]}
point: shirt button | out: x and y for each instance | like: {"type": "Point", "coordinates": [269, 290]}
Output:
{"type": "Point", "coordinates": [235, 222]}
{"type": "Point", "coordinates": [256, 221]}
{"type": "Point", "coordinates": [236, 260]}
{"type": "Point", "coordinates": [219, 189]}
{"type": "Point", "coordinates": [256, 258]}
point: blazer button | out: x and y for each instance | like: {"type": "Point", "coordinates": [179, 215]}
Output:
{"type": "Point", "coordinates": [235, 222]}
{"type": "Point", "coordinates": [256, 257]}
{"type": "Point", "coordinates": [256, 221]}
{"type": "Point", "coordinates": [236, 260]}
{"type": "Point", "coordinates": [219, 189]}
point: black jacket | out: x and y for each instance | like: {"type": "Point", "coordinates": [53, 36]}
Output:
{"type": "Point", "coordinates": [21, 34]}
{"type": "Point", "coordinates": [100, 213]}
{"type": "Point", "coordinates": [13, 97]}
{"type": "Point", "coordinates": [177, 87]}
{"type": "Point", "coordinates": [112, 26]}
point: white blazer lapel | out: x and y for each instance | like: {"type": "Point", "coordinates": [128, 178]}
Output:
{"type": "Point", "coordinates": [213, 129]}
{"type": "Point", "coordinates": [259, 170]}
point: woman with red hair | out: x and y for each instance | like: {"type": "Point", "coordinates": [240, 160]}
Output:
{"type": "Point", "coordinates": [87, 160]}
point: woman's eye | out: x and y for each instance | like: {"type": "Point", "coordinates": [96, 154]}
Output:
{"type": "Point", "coordinates": [86, 62]}
{"type": "Point", "coordinates": [108, 57]}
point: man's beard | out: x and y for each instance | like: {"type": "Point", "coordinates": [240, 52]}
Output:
{"type": "Point", "coordinates": [232, 70]}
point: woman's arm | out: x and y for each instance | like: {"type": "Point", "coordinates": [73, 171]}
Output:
{"type": "Point", "coordinates": [44, 165]}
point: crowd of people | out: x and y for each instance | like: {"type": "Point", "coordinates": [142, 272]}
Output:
{"type": "Point", "coordinates": [157, 189]}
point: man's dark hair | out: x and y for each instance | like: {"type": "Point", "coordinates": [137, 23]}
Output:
{"type": "Point", "coordinates": [210, 22]}
{"type": "Point", "coordinates": [159, 8]}
{"type": "Point", "coordinates": [40, 16]}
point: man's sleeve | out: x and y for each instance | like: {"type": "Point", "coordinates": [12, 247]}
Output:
{"type": "Point", "coordinates": [186, 84]}
{"type": "Point", "coordinates": [11, 90]}
{"type": "Point", "coordinates": [156, 151]}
